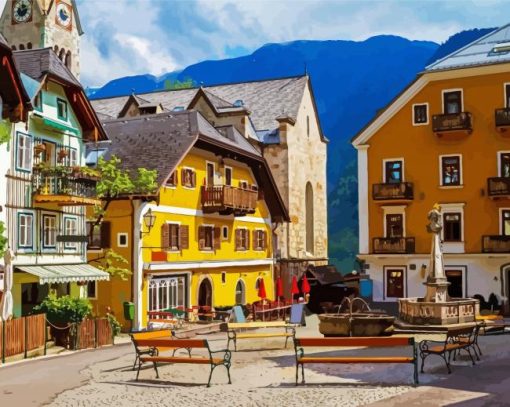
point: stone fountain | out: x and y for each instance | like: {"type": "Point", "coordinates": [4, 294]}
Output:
{"type": "Point", "coordinates": [436, 308]}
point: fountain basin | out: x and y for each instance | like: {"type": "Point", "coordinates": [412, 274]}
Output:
{"type": "Point", "coordinates": [454, 311]}
{"type": "Point", "coordinates": [358, 324]}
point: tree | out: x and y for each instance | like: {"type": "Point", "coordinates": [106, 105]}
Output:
{"type": "Point", "coordinates": [112, 263]}
{"type": "Point", "coordinates": [177, 84]}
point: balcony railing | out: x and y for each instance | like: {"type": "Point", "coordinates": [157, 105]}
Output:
{"type": "Point", "coordinates": [393, 245]}
{"type": "Point", "coordinates": [496, 244]}
{"type": "Point", "coordinates": [393, 191]}
{"type": "Point", "coordinates": [498, 186]}
{"type": "Point", "coordinates": [63, 187]}
{"type": "Point", "coordinates": [443, 123]}
{"type": "Point", "coordinates": [502, 117]}
{"type": "Point", "coordinates": [228, 200]}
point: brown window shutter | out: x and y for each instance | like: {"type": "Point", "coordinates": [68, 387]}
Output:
{"type": "Point", "coordinates": [254, 239]}
{"type": "Point", "coordinates": [238, 238]}
{"type": "Point", "coordinates": [201, 237]}
{"type": "Point", "coordinates": [217, 238]}
{"type": "Point", "coordinates": [165, 236]}
{"type": "Point", "coordinates": [105, 235]}
{"type": "Point", "coordinates": [176, 177]}
{"type": "Point", "coordinates": [264, 240]}
{"type": "Point", "coordinates": [193, 179]}
{"type": "Point", "coordinates": [247, 239]}
{"type": "Point", "coordinates": [183, 176]}
{"type": "Point", "coordinates": [184, 237]}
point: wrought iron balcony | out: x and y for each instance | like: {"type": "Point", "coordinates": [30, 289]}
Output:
{"type": "Point", "coordinates": [393, 245]}
{"type": "Point", "coordinates": [498, 187]}
{"type": "Point", "coordinates": [227, 200]}
{"type": "Point", "coordinates": [444, 123]}
{"type": "Point", "coordinates": [496, 244]}
{"type": "Point", "coordinates": [393, 191]}
{"type": "Point", "coordinates": [63, 186]}
{"type": "Point", "coordinates": [502, 118]}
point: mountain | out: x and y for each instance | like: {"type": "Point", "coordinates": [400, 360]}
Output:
{"type": "Point", "coordinates": [352, 80]}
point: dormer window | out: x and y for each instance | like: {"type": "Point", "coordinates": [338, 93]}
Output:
{"type": "Point", "coordinates": [178, 109]}
{"type": "Point", "coordinates": [239, 103]}
{"type": "Point", "coordinates": [503, 47]}
{"type": "Point", "coordinates": [62, 109]}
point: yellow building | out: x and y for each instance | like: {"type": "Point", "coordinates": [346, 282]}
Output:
{"type": "Point", "coordinates": [443, 140]}
{"type": "Point", "coordinates": [210, 237]}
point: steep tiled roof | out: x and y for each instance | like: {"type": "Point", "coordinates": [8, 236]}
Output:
{"type": "Point", "coordinates": [266, 100]}
{"type": "Point", "coordinates": [479, 52]}
{"type": "Point", "coordinates": [38, 62]}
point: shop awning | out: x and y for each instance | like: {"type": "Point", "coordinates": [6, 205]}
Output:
{"type": "Point", "coordinates": [65, 274]}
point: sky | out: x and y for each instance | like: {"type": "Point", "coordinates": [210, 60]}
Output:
{"type": "Point", "coordinates": [130, 37]}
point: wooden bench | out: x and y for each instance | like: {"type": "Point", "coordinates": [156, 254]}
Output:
{"type": "Point", "coordinates": [160, 344]}
{"type": "Point", "coordinates": [144, 350]}
{"type": "Point", "coordinates": [238, 330]}
{"type": "Point", "coordinates": [369, 342]}
{"type": "Point", "coordinates": [457, 339]}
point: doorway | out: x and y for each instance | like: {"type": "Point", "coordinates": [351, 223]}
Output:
{"type": "Point", "coordinates": [205, 293]}
{"type": "Point", "coordinates": [456, 280]}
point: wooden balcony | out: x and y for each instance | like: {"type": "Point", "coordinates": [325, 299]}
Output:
{"type": "Point", "coordinates": [452, 123]}
{"type": "Point", "coordinates": [56, 186]}
{"type": "Point", "coordinates": [502, 117]}
{"type": "Point", "coordinates": [227, 200]}
{"type": "Point", "coordinates": [496, 244]}
{"type": "Point", "coordinates": [402, 191]}
{"type": "Point", "coordinates": [498, 187]}
{"type": "Point", "coordinates": [393, 245]}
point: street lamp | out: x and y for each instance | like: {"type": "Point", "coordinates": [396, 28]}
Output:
{"type": "Point", "coordinates": [148, 219]}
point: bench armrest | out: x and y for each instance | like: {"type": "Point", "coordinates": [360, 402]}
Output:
{"type": "Point", "coordinates": [227, 354]}
{"type": "Point", "coordinates": [424, 345]}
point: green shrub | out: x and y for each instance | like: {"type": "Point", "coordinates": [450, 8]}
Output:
{"type": "Point", "coordinates": [64, 309]}
{"type": "Point", "coordinates": [116, 326]}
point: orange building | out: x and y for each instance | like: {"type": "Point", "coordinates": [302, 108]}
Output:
{"type": "Point", "coordinates": [445, 139]}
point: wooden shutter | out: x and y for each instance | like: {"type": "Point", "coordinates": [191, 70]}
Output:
{"type": "Point", "coordinates": [193, 179]}
{"type": "Point", "coordinates": [184, 237]}
{"type": "Point", "coordinates": [201, 237]}
{"type": "Point", "coordinates": [165, 236]}
{"type": "Point", "coordinates": [254, 239]}
{"type": "Point", "coordinates": [264, 240]}
{"type": "Point", "coordinates": [216, 238]}
{"type": "Point", "coordinates": [238, 239]}
{"type": "Point", "coordinates": [176, 177]}
{"type": "Point", "coordinates": [105, 235]}
{"type": "Point", "coordinates": [183, 177]}
{"type": "Point", "coordinates": [247, 239]}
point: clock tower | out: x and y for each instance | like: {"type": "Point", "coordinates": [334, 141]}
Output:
{"type": "Point", "coordinates": [28, 24]}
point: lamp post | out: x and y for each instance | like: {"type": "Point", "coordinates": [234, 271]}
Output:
{"type": "Point", "coordinates": [148, 219]}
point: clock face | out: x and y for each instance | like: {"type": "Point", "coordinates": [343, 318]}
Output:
{"type": "Point", "coordinates": [64, 15]}
{"type": "Point", "coordinates": [22, 11]}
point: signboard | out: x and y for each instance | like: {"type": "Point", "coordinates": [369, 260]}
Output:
{"type": "Point", "coordinates": [72, 239]}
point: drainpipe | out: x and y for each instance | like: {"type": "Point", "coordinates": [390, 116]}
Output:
{"type": "Point", "coordinates": [139, 209]}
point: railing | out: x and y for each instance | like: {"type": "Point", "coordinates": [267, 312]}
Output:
{"type": "Point", "coordinates": [451, 122]}
{"type": "Point", "coordinates": [502, 117]}
{"type": "Point", "coordinates": [498, 186]}
{"type": "Point", "coordinates": [390, 191]}
{"type": "Point", "coordinates": [21, 335]}
{"type": "Point", "coordinates": [393, 245]}
{"type": "Point", "coordinates": [227, 199]}
{"type": "Point", "coordinates": [47, 183]}
{"type": "Point", "coordinates": [496, 244]}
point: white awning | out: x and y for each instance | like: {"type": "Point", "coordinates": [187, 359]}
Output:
{"type": "Point", "coordinates": [65, 273]}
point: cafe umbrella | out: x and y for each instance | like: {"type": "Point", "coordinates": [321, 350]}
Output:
{"type": "Point", "coordinates": [295, 289]}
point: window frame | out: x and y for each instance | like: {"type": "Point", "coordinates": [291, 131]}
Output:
{"type": "Point", "coordinates": [413, 114]}
{"type": "Point", "coordinates": [260, 237]}
{"type": "Point", "coordinates": [499, 159]}
{"type": "Point", "coordinates": [171, 182]}
{"type": "Point", "coordinates": [246, 245]}
{"type": "Point", "coordinates": [177, 246]}
{"type": "Point", "coordinates": [501, 221]}
{"type": "Point", "coordinates": [443, 104]}
{"type": "Point", "coordinates": [95, 296]}
{"type": "Point", "coordinates": [461, 227]}
{"type": "Point", "coordinates": [186, 186]}
{"type": "Point", "coordinates": [31, 235]}
{"type": "Point", "coordinates": [211, 228]}
{"type": "Point", "coordinates": [62, 102]}
{"type": "Point", "coordinates": [38, 101]}
{"type": "Point", "coordinates": [223, 277]}
{"type": "Point", "coordinates": [460, 184]}
{"type": "Point", "coordinates": [29, 149]}
{"type": "Point", "coordinates": [207, 166]}
{"type": "Point", "coordinates": [223, 229]}
{"type": "Point", "coordinates": [506, 95]}
{"type": "Point", "coordinates": [45, 245]}
{"type": "Point", "coordinates": [231, 175]}
{"type": "Point", "coordinates": [394, 210]}
{"type": "Point", "coordinates": [389, 160]}
{"type": "Point", "coordinates": [72, 151]}
{"type": "Point", "coordinates": [164, 282]}
{"type": "Point", "coordinates": [121, 235]}
{"type": "Point", "coordinates": [70, 245]}
{"type": "Point", "coordinates": [403, 270]}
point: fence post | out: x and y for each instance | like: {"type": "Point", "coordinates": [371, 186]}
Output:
{"type": "Point", "coordinates": [3, 341]}
{"type": "Point", "coordinates": [96, 335]}
{"type": "Point", "coordinates": [45, 334]}
{"type": "Point", "coordinates": [26, 337]}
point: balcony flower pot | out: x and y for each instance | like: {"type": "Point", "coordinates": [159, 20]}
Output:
{"type": "Point", "coordinates": [39, 148]}
{"type": "Point", "coordinates": [63, 154]}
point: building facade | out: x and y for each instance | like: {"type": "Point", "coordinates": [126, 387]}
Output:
{"type": "Point", "coordinates": [210, 241]}
{"type": "Point", "coordinates": [443, 140]}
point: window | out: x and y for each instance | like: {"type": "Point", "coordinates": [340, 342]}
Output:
{"type": "Point", "coordinates": [68, 59]}
{"type": "Point", "coordinates": [455, 289]}
{"type": "Point", "coordinates": [507, 95]}
{"type": "Point", "coordinates": [224, 232]}
{"type": "Point", "coordinates": [394, 283]}
{"type": "Point", "coordinates": [240, 293]}
{"type": "Point", "coordinates": [242, 239]}
{"type": "Point", "coordinates": [25, 230]}
{"type": "Point", "coordinates": [243, 184]}
{"type": "Point", "coordinates": [24, 155]}
{"type": "Point", "coordinates": [188, 178]}
{"type": "Point", "coordinates": [420, 114]}
{"type": "Point", "coordinates": [21, 47]}
{"type": "Point", "coordinates": [452, 227]}
{"type": "Point", "coordinates": [70, 229]}
{"type": "Point", "coordinates": [167, 292]}
{"type": "Point", "coordinates": [223, 277]}
{"type": "Point", "coordinates": [393, 172]}
{"type": "Point", "coordinates": [29, 45]}
{"type": "Point", "coordinates": [38, 101]}
{"type": "Point", "coordinates": [49, 231]}
{"type": "Point", "coordinates": [172, 180]}
{"type": "Point", "coordinates": [452, 102]}
{"type": "Point", "coordinates": [122, 239]}
{"type": "Point", "coordinates": [504, 165]}
{"type": "Point", "coordinates": [174, 236]}
{"type": "Point", "coordinates": [394, 225]}
{"type": "Point", "coordinates": [308, 126]}
{"type": "Point", "coordinates": [92, 289]}
{"type": "Point", "coordinates": [228, 176]}
{"type": "Point", "coordinates": [309, 220]}
{"type": "Point", "coordinates": [208, 238]}
{"type": "Point", "coordinates": [259, 240]}
{"type": "Point", "coordinates": [451, 170]}
{"type": "Point", "coordinates": [61, 109]}
{"type": "Point", "coordinates": [99, 238]}
{"type": "Point", "coordinates": [505, 222]}
{"type": "Point", "coordinates": [73, 157]}
{"type": "Point", "coordinates": [210, 174]}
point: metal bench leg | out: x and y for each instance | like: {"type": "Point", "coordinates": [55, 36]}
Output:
{"type": "Point", "coordinates": [297, 373]}
{"type": "Point", "coordinates": [156, 369]}
{"type": "Point", "coordinates": [447, 360]}
{"type": "Point", "coordinates": [228, 373]}
{"type": "Point", "coordinates": [470, 355]}
{"type": "Point", "coordinates": [136, 360]}
{"type": "Point", "coordinates": [423, 356]}
{"type": "Point", "coordinates": [139, 367]}
{"type": "Point", "coordinates": [303, 372]}
{"type": "Point", "coordinates": [210, 376]}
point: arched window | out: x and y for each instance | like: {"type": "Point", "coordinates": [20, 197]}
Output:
{"type": "Point", "coordinates": [29, 45]}
{"type": "Point", "coordinates": [55, 48]}
{"type": "Point", "coordinates": [68, 59]}
{"type": "Point", "coordinates": [309, 219]}
{"type": "Point", "coordinates": [240, 293]}
{"type": "Point", "coordinates": [21, 47]}
{"type": "Point", "coordinates": [14, 47]}
{"type": "Point", "coordinates": [62, 54]}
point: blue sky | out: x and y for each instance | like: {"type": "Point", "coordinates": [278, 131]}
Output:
{"type": "Point", "coordinates": [128, 37]}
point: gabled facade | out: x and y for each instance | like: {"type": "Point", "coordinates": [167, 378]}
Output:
{"type": "Point", "coordinates": [47, 191]}
{"type": "Point", "coordinates": [443, 140]}
{"type": "Point", "coordinates": [211, 241]}
{"type": "Point", "coordinates": [280, 119]}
